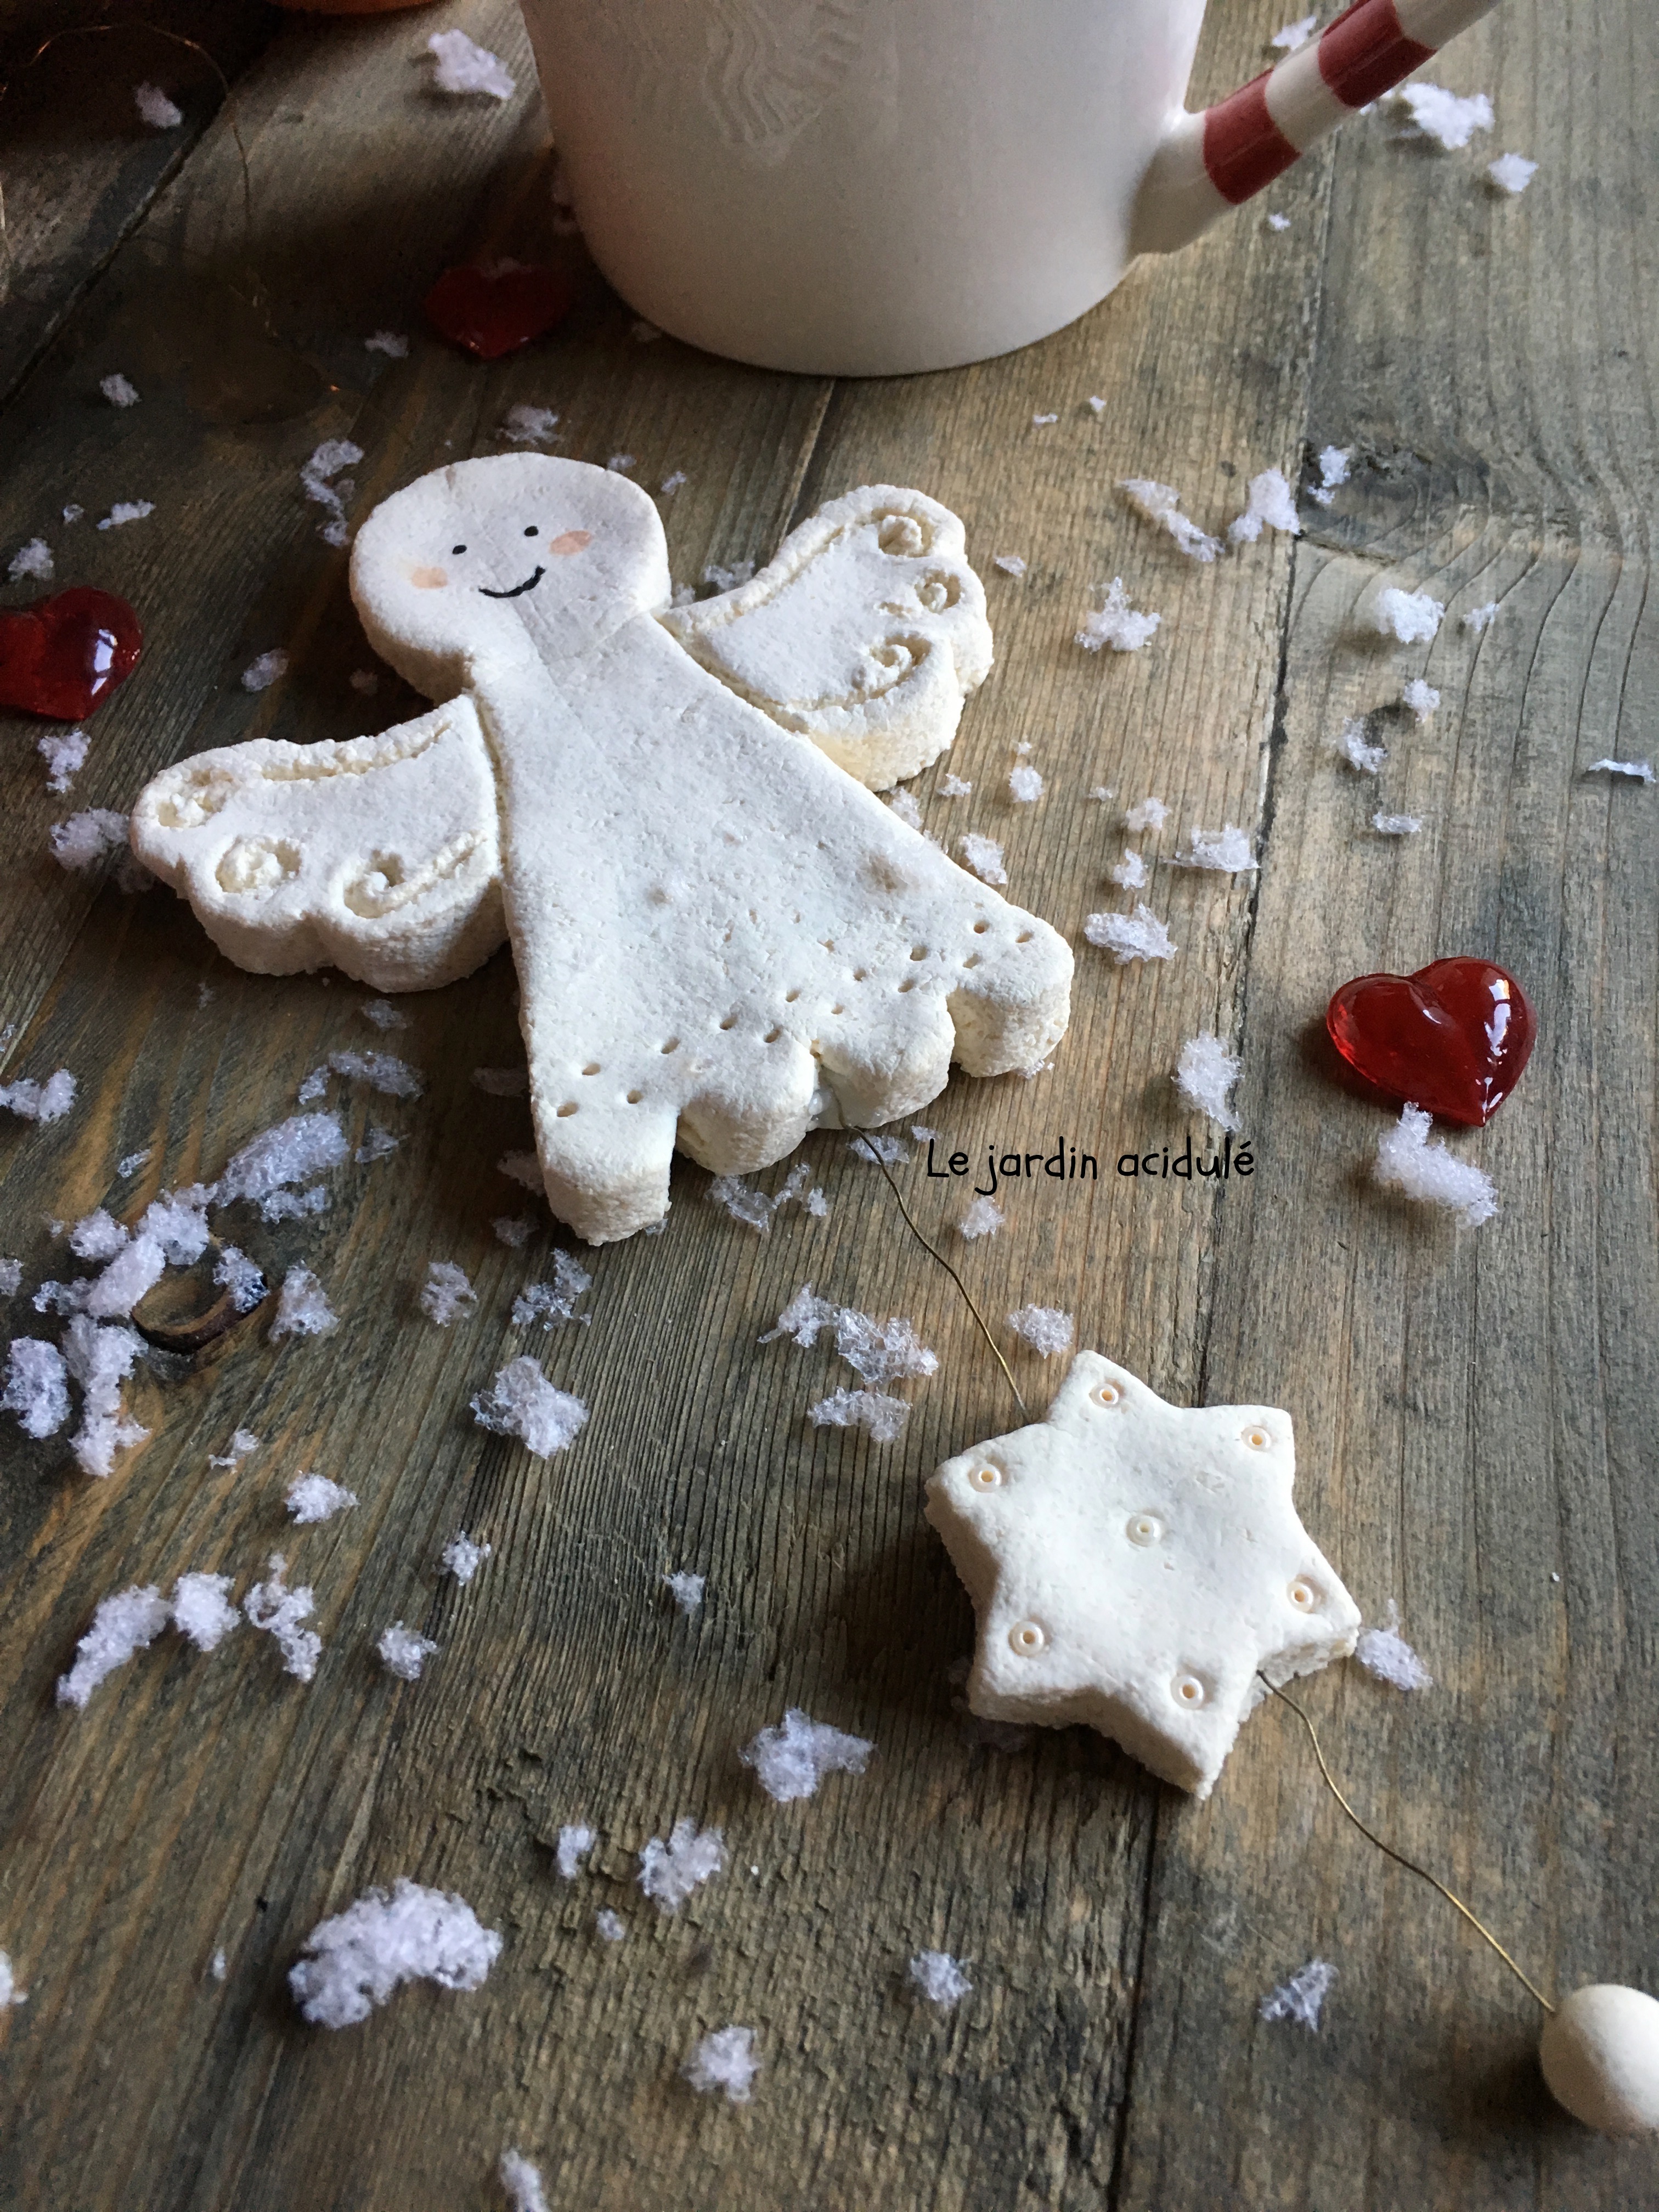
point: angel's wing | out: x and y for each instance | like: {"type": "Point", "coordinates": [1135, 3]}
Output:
{"type": "Point", "coordinates": [866, 633]}
{"type": "Point", "coordinates": [379, 856]}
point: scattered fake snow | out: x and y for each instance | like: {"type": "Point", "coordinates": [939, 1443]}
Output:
{"type": "Point", "coordinates": [686, 1588]}
{"type": "Point", "coordinates": [1137, 936]}
{"type": "Point", "coordinates": [463, 1555]}
{"type": "Point", "coordinates": [242, 1442]}
{"type": "Point", "coordinates": [1443, 116]}
{"type": "Point", "coordinates": [1047, 1330]}
{"type": "Point", "coordinates": [446, 1295]}
{"type": "Point", "coordinates": [903, 803]}
{"type": "Point", "coordinates": [125, 511]}
{"type": "Point", "coordinates": [1641, 770]}
{"type": "Point", "coordinates": [1334, 462]}
{"type": "Point", "coordinates": [1396, 825]}
{"type": "Point", "coordinates": [1012, 564]}
{"type": "Point", "coordinates": [1407, 1161]}
{"type": "Point", "coordinates": [1271, 505]}
{"type": "Point", "coordinates": [1129, 873]}
{"type": "Point", "coordinates": [202, 1612]}
{"type": "Point", "coordinates": [404, 1653]}
{"type": "Point", "coordinates": [259, 675]}
{"type": "Point", "coordinates": [316, 481]}
{"type": "Point", "coordinates": [1161, 503]}
{"type": "Point", "coordinates": [1413, 618]}
{"type": "Point", "coordinates": [755, 1209]}
{"type": "Point", "coordinates": [952, 787]}
{"type": "Point", "coordinates": [236, 1273]}
{"type": "Point", "coordinates": [613, 1928]}
{"type": "Point", "coordinates": [1116, 623]}
{"type": "Point", "coordinates": [521, 1403]}
{"type": "Point", "coordinates": [529, 426]}
{"type": "Point", "coordinates": [84, 839]}
{"type": "Point", "coordinates": [1145, 814]}
{"type": "Point", "coordinates": [1512, 173]}
{"type": "Point", "coordinates": [101, 1360]}
{"type": "Point", "coordinates": [1421, 697]}
{"type": "Point", "coordinates": [1480, 620]}
{"type": "Point", "coordinates": [940, 1977]}
{"type": "Point", "coordinates": [791, 1759]}
{"type": "Point", "coordinates": [303, 1308]}
{"type": "Point", "coordinates": [1387, 1653]}
{"type": "Point", "coordinates": [392, 344]}
{"type": "Point", "coordinates": [576, 1839]}
{"type": "Point", "coordinates": [515, 1229]}
{"type": "Point", "coordinates": [984, 856]}
{"type": "Point", "coordinates": [521, 2181]}
{"type": "Point", "coordinates": [1294, 35]}
{"type": "Point", "coordinates": [156, 108]}
{"type": "Point", "coordinates": [669, 1872]}
{"type": "Point", "coordinates": [1025, 784]}
{"type": "Point", "coordinates": [281, 1156]}
{"type": "Point", "coordinates": [40, 1102]}
{"type": "Point", "coordinates": [273, 1606]}
{"type": "Point", "coordinates": [1278, 222]}
{"type": "Point", "coordinates": [356, 1960]}
{"type": "Point", "coordinates": [123, 1626]}
{"type": "Point", "coordinates": [724, 2060]}
{"type": "Point", "coordinates": [1227, 850]}
{"type": "Point", "coordinates": [1204, 1075]}
{"type": "Point", "coordinates": [983, 1217]}
{"type": "Point", "coordinates": [1303, 1996]}
{"type": "Point", "coordinates": [32, 560]}
{"type": "Point", "coordinates": [463, 67]}
{"type": "Point", "coordinates": [882, 1416]}
{"type": "Point", "coordinates": [312, 1497]}
{"type": "Point", "coordinates": [9, 1992]}
{"type": "Point", "coordinates": [381, 1071]}
{"type": "Point", "coordinates": [521, 1167]}
{"type": "Point", "coordinates": [552, 1304]}
{"type": "Point", "coordinates": [1350, 742]}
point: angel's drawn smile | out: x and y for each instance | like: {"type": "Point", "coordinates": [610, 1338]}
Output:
{"type": "Point", "coordinates": [528, 585]}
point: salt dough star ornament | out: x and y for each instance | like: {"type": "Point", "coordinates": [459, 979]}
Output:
{"type": "Point", "coordinates": [723, 938]}
{"type": "Point", "coordinates": [1132, 1564]}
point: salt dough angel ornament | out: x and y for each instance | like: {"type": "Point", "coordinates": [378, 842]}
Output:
{"type": "Point", "coordinates": [723, 938]}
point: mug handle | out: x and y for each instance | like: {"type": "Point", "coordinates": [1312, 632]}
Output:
{"type": "Point", "coordinates": [1209, 163]}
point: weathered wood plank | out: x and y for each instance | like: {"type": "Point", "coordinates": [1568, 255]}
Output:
{"type": "Point", "coordinates": [1474, 1410]}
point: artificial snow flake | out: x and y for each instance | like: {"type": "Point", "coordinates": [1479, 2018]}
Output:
{"type": "Point", "coordinates": [515, 1229]}
{"type": "Point", "coordinates": [724, 2060]}
{"type": "Point", "coordinates": [984, 856]}
{"type": "Point", "coordinates": [1130, 873]}
{"type": "Point", "coordinates": [620, 464]}
{"type": "Point", "coordinates": [125, 511]}
{"type": "Point", "coordinates": [462, 1556]}
{"type": "Point", "coordinates": [1480, 620]}
{"type": "Point", "coordinates": [155, 107]}
{"type": "Point", "coordinates": [983, 1217]}
{"type": "Point", "coordinates": [1294, 35]}
{"type": "Point", "coordinates": [1047, 1330]}
{"type": "Point", "coordinates": [803, 1318]}
{"type": "Point", "coordinates": [1137, 936]}
{"type": "Point", "coordinates": [118, 390]}
{"type": "Point", "coordinates": [314, 1497]}
{"type": "Point", "coordinates": [1334, 462]}
{"type": "Point", "coordinates": [1413, 618]}
{"type": "Point", "coordinates": [521, 1403]}
{"type": "Point", "coordinates": [1641, 770]}
{"type": "Point", "coordinates": [879, 1351]}
{"type": "Point", "coordinates": [33, 562]}
{"type": "Point", "coordinates": [1272, 505]}
{"type": "Point", "coordinates": [612, 1927]}
{"type": "Point", "coordinates": [1276, 221]}
{"type": "Point", "coordinates": [882, 1416]}
{"type": "Point", "coordinates": [203, 1612]}
{"type": "Point", "coordinates": [1396, 825]}
{"type": "Point", "coordinates": [529, 426]}
{"type": "Point", "coordinates": [1407, 1161]}
{"type": "Point", "coordinates": [123, 1626]}
{"type": "Point", "coordinates": [259, 675]}
{"type": "Point", "coordinates": [392, 344]}
{"type": "Point", "coordinates": [446, 1295]}
{"type": "Point", "coordinates": [316, 481]}
{"type": "Point", "coordinates": [101, 1360]}
{"type": "Point", "coordinates": [377, 1143]}
{"type": "Point", "coordinates": [871, 1145]}
{"type": "Point", "coordinates": [522, 2183]}
{"type": "Point", "coordinates": [1449, 120]}
{"type": "Point", "coordinates": [952, 787]}
{"type": "Point", "coordinates": [382, 1071]}
{"type": "Point", "coordinates": [384, 1014]}
{"type": "Point", "coordinates": [1161, 503]}
{"type": "Point", "coordinates": [84, 839]}
{"type": "Point", "coordinates": [904, 805]}
{"type": "Point", "coordinates": [1512, 173]}
{"type": "Point", "coordinates": [242, 1442]}
{"type": "Point", "coordinates": [236, 1273]}
{"type": "Point", "coordinates": [463, 67]}
{"type": "Point", "coordinates": [355, 1960]}
{"type": "Point", "coordinates": [278, 1610]}
{"type": "Point", "coordinates": [672, 483]}
{"type": "Point", "coordinates": [1350, 742]}
{"type": "Point", "coordinates": [1227, 850]}
{"type": "Point", "coordinates": [575, 1840]}
{"type": "Point", "coordinates": [728, 580]}
{"type": "Point", "coordinates": [1025, 784]}
{"type": "Point", "coordinates": [303, 1308]}
{"type": "Point", "coordinates": [521, 1167]}
{"type": "Point", "coordinates": [1145, 814]}
{"type": "Point", "coordinates": [282, 1156]}
{"type": "Point", "coordinates": [403, 1652]}
{"type": "Point", "coordinates": [1041, 421]}
{"type": "Point", "coordinates": [1116, 623]}
{"type": "Point", "coordinates": [11, 1277]}
{"type": "Point", "coordinates": [1204, 1075]}
{"type": "Point", "coordinates": [1301, 1998]}
{"type": "Point", "coordinates": [940, 1977]}
{"type": "Point", "coordinates": [686, 1590]}
{"type": "Point", "coordinates": [1387, 1653]}
{"type": "Point", "coordinates": [1012, 564]}
{"type": "Point", "coordinates": [1422, 698]}
{"type": "Point", "coordinates": [756, 1210]}
{"type": "Point", "coordinates": [32, 1101]}
{"type": "Point", "coordinates": [791, 1759]}
{"type": "Point", "coordinates": [9, 1992]}
{"type": "Point", "coordinates": [669, 1872]}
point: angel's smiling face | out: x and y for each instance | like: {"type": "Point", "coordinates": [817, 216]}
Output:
{"type": "Point", "coordinates": [476, 562]}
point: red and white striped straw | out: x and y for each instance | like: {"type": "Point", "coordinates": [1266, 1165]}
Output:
{"type": "Point", "coordinates": [1215, 161]}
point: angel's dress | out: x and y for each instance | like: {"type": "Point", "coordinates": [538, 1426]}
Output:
{"type": "Point", "coordinates": [723, 939]}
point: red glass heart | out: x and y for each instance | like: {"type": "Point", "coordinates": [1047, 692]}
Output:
{"type": "Point", "coordinates": [489, 315]}
{"type": "Point", "coordinates": [1454, 1038]}
{"type": "Point", "coordinates": [64, 656]}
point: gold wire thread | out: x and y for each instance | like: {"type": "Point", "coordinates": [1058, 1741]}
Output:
{"type": "Point", "coordinates": [933, 1250]}
{"type": "Point", "coordinates": [1399, 1858]}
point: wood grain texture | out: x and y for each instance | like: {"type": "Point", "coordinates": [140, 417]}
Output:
{"type": "Point", "coordinates": [1473, 1411]}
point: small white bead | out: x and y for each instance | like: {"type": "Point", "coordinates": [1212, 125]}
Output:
{"type": "Point", "coordinates": [1600, 2056]}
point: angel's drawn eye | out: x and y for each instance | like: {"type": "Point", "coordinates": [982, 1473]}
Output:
{"type": "Point", "coordinates": [457, 549]}
{"type": "Point", "coordinates": [530, 531]}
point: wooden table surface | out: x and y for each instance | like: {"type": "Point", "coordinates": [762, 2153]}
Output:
{"type": "Point", "coordinates": [1474, 1411]}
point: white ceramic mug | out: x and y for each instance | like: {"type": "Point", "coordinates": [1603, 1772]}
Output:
{"type": "Point", "coordinates": [870, 188]}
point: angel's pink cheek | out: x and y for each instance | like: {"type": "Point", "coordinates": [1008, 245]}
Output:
{"type": "Point", "coordinates": [429, 580]}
